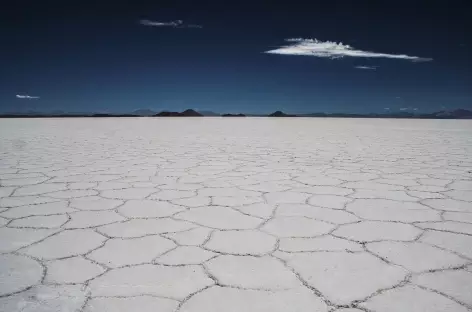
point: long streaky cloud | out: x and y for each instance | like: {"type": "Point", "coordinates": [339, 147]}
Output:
{"type": "Point", "coordinates": [160, 24]}
{"type": "Point", "coordinates": [366, 67]}
{"type": "Point", "coordinates": [334, 50]}
{"type": "Point", "coordinates": [175, 24]}
{"type": "Point", "coordinates": [29, 97]}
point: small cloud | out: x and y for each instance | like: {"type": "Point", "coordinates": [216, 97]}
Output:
{"type": "Point", "coordinates": [160, 24]}
{"type": "Point", "coordinates": [24, 96]}
{"type": "Point", "coordinates": [334, 50]}
{"type": "Point", "coordinates": [175, 24]}
{"type": "Point", "coordinates": [398, 97]}
{"type": "Point", "coordinates": [404, 108]}
{"type": "Point", "coordinates": [366, 67]}
{"type": "Point", "coordinates": [415, 109]}
{"type": "Point", "coordinates": [387, 108]}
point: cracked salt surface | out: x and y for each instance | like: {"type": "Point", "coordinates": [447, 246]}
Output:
{"type": "Point", "coordinates": [187, 215]}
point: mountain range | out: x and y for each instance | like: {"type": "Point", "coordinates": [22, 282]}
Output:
{"type": "Point", "coordinates": [454, 114]}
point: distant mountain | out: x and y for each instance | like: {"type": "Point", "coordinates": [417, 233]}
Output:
{"type": "Point", "coordinates": [460, 113]}
{"type": "Point", "coordinates": [186, 113]}
{"type": "Point", "coordinates": [191, 113]}
{"type": "Point", "coordinates": [454, 114]}
{"type": "Point", "coordinates": [167, 114]}
{"type": "Point", "coordinates": [233, 115]}
{"type": "Point", "coordinates": [144, 112]}
{"type": "Point", "coordinates": [281, 114]}
{"type": "Point", "coordinates": [209, 113]}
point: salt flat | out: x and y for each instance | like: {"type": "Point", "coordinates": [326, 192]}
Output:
{"type": "Point", "coordinates": [235, 214]}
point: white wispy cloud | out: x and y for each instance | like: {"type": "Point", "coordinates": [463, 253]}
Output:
{"type": "Point", "coordinates": [24, 96]}
{"type": "Point", "coordinates": [387, 108]}
{"type": "Point", "coordinates": [366, 67]}
{"type": "Point", "coordinates": [334, 50]}
{"type": "Point", "coordinates": [409, 108]}
{"type": "Point", "coordinates": [175, 24]}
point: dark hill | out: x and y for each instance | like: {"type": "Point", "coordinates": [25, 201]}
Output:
{"type": "Point", "coordinates": [233, 115]}
{"type": "Point", "coordinates": [167, 114]}
{"type": "Point", "coordinates": [190, 113]}
{"type": "Point", "coordinates": [461, 113]}
{"type": "Point", "coordinates": [186, 113]}
{"type": "Point", "coordinates": [280, 114]}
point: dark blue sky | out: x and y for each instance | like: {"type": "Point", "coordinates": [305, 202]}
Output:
{"type": "Point", "coordinates": [84, 56]}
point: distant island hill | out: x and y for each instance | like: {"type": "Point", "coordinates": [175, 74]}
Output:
{"type": "Point", "coordinates": [453, 114]}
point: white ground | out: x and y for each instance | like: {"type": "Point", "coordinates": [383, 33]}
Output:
{"type": "Point", "coordinates": [250, 214]}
